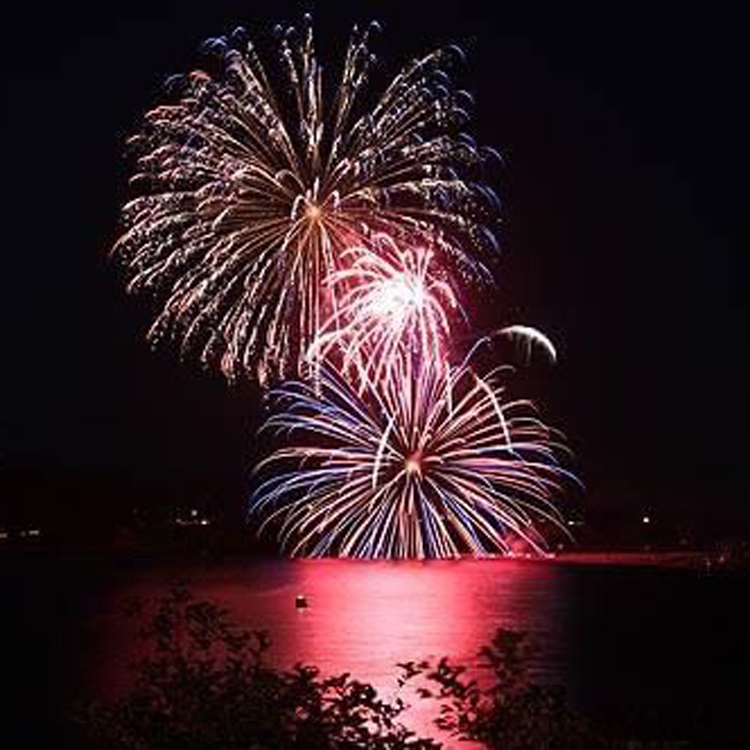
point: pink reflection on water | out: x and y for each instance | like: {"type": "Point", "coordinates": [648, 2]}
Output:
{"type": "Point", "coordinates": [363, 617]}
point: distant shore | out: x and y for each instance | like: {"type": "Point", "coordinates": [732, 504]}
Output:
{"type": "Point", "coordinates": [709, 561]}
{"type": "Point", "coordinates": [680, 559]}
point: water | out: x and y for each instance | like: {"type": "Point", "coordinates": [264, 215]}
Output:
{"type": "Point", "coordinates": [616, 636]}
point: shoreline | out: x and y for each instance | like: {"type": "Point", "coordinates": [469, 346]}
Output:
{"type": "Point", "coordinates": [682, 559]}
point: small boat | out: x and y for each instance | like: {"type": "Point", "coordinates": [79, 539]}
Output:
{"type": "Point", "coordinates": [301, 602]}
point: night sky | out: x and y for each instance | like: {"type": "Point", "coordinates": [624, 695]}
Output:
{"type": "Point", "coordinates": [621, 128]}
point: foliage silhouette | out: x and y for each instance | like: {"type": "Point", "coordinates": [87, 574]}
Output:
{"type": "Point", "coordinates": [511, 712]}
{"type": "Point", "coordinates": [205, 683]}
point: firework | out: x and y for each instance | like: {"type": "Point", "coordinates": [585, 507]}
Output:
{"type": "Point", "coordinates": [248, 196]}
{"type": "Point", "coordinates": [288, 234]}
{"type": "Point", "coordinates": [527, 340]}
{"type": "Point", "coordinates": [430, 464]}
{"type": "Point", "coordinates": [393, 305]}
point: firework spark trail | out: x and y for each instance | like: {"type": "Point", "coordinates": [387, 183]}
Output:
{"type": "Point", "coordinates": [426, 465]}
{"type": "Point", "coordinates": [528, 339]}
{"type": "Point", "coordinates": [246, 201]}
{"type": "Point", "coordinates": [391, 305]}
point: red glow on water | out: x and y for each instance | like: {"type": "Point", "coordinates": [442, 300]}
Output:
{"type": "Point", "coordinates": [362, 617]}
{"type": "Point", "coordinates": [376, 614]}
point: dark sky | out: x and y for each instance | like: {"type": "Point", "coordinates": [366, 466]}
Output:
{"type": "Point", "coordinates": [621, 129]}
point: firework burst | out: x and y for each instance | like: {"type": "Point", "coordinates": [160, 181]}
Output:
{"type": "Point", "coordinates": [431, 464]}
{"type": "Point", "coordinates": [393, 305]}
{"type": "Point", "coordinates": [247, 199]}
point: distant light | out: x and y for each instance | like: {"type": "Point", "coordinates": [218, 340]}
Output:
{"type": "Point", "coordinates": [204, 522]}
{"type": "Point", "coordinates": [646, 519]}
{"type": "Point", "coordinates": [193, 513]}
{"type": "Point", "coordinates": [3, 534]}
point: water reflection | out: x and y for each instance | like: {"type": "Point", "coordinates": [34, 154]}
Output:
{"type": "Point", "coordinates": [363, 617]}
{"type": "Point", "coordinates": [621, 637]}
{"type": "Point", "coordinates": [366, 616]}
